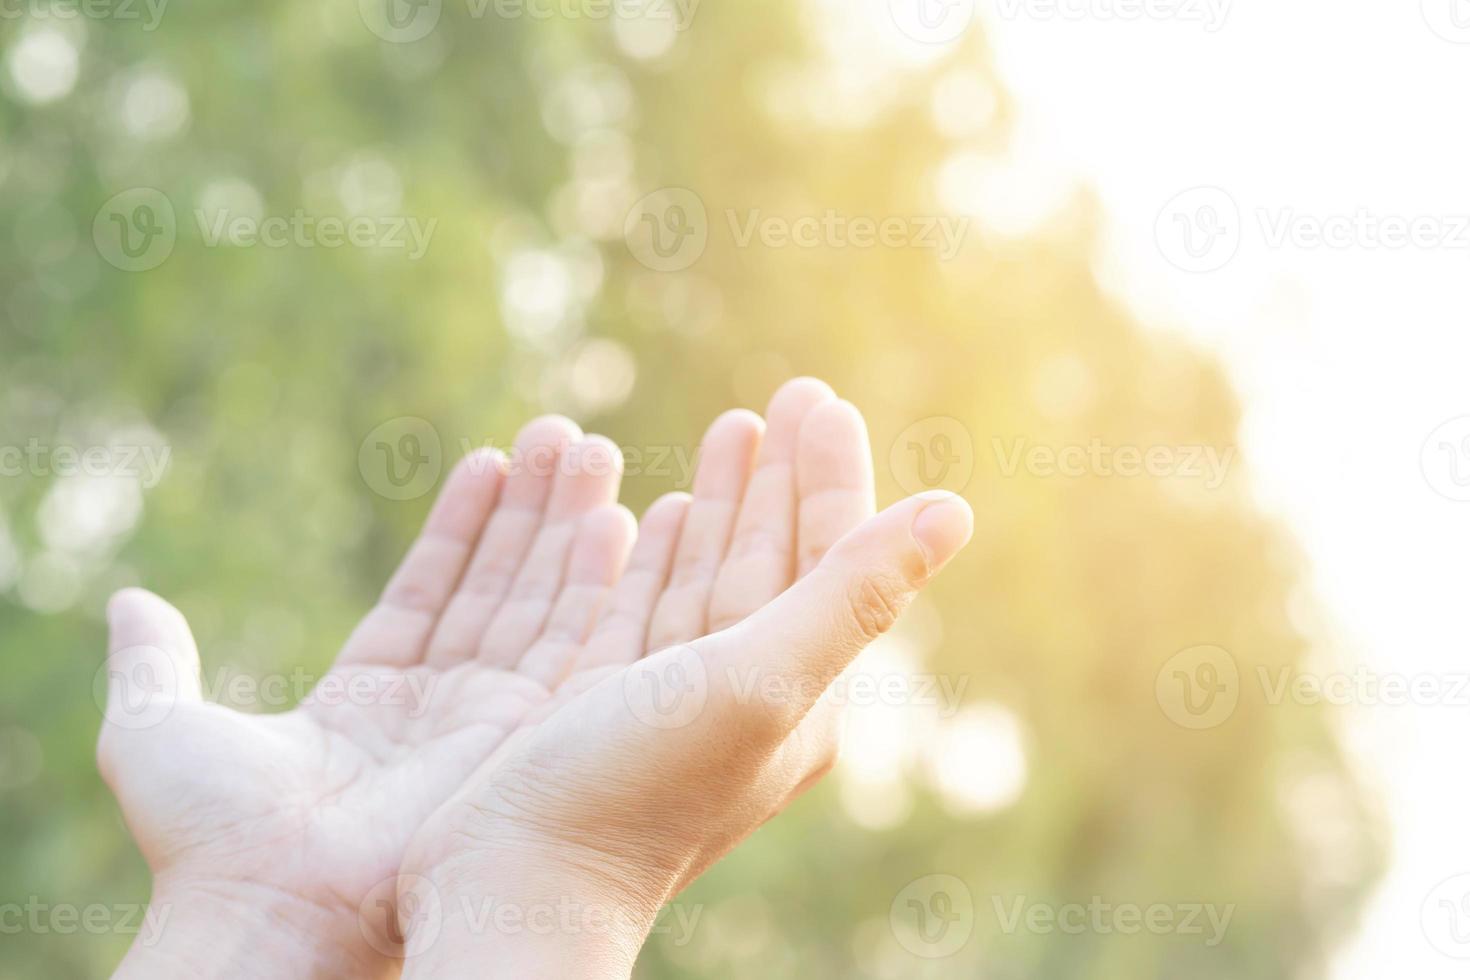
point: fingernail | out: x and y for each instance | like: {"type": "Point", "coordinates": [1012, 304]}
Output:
{"type": "Point", "coordinates": [942, 527]}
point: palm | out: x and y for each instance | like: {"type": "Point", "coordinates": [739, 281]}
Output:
{"type": "Point", "coordinates": [319, 801]}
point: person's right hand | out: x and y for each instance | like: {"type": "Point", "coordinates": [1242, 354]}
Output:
{"type": "Point", "coordinates": [706, 717]}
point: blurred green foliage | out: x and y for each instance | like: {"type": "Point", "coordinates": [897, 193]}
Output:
{"type": "Point", "coordinates": [526, 141]}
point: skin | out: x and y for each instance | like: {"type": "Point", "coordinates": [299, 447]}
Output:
{"type": "Point", "coordinates": [541, 762]}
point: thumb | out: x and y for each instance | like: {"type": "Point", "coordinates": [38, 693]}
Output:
{"type": "Point", "coordinates": [152, 661]}
{"type": "Point", "coordinates": [806, 636]}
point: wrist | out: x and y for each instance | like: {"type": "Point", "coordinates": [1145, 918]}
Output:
{"type": "Point", "coordinates": [196, 928]}
{"type": "Point", "coordinates": [512, 916]}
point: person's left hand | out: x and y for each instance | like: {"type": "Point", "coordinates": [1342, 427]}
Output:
{"type": "Point", "coordinates": [288, 829]}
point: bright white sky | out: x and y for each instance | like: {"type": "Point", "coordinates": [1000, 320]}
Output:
{"type": "Point", "coordinates": [1346, 358]}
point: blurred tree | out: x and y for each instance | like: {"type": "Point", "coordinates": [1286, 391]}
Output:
{"type": "Point", "coordinates": [521, 147]}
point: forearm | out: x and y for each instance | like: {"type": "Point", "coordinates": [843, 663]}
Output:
{"type": "Point", "coordinates": [235, 930]}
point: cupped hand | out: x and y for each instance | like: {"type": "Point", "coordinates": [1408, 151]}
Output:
{"type": "Point", "coordinates": [693, 711]}
{"type": "Point", "coordinates": [302, 818]}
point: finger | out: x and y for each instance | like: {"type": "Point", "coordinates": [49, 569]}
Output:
{"type": "Point", "coordinates": [588, 476]}
{"type": "Point", "coordinates": [834, 479]}
{"type": "Point", "coordinates": [760, 562]}
{"type": "Point", "coordinates": [621, 634]}
{"type": "Point", "coordinates": [504, 542]}
{"type": "Point", "coordinates": [152, 661]}
{"type": "Point", "coordinates": [396, 632]}
{"type": "Point", "coordinates": [604, 538]}
{"type": "Point", "coordinates": [725, 458]}
{"type": "Point", "coordinates": [792, 649]}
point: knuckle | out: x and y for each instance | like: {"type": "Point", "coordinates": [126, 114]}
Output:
{"type": "Point", "coordinates": [875, 604]}
{"type": "Point", "coordinates": [762, 726]}
{"type": "Point", "coordinates": [697, 574]}
{"type": "Point", "coordinates": [762, 544]}
{"type": "Point", "coordinates": [486, 581]}
{"type": "Point", "coordinates": [535, 586]}
{"type": "Point", "coordinates": [412, 596]}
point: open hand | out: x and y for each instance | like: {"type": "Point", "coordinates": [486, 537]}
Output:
{"type": "Point", "coordinates": [695, 712]}
{"type": "Point", "coordinates": [304, 816]}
